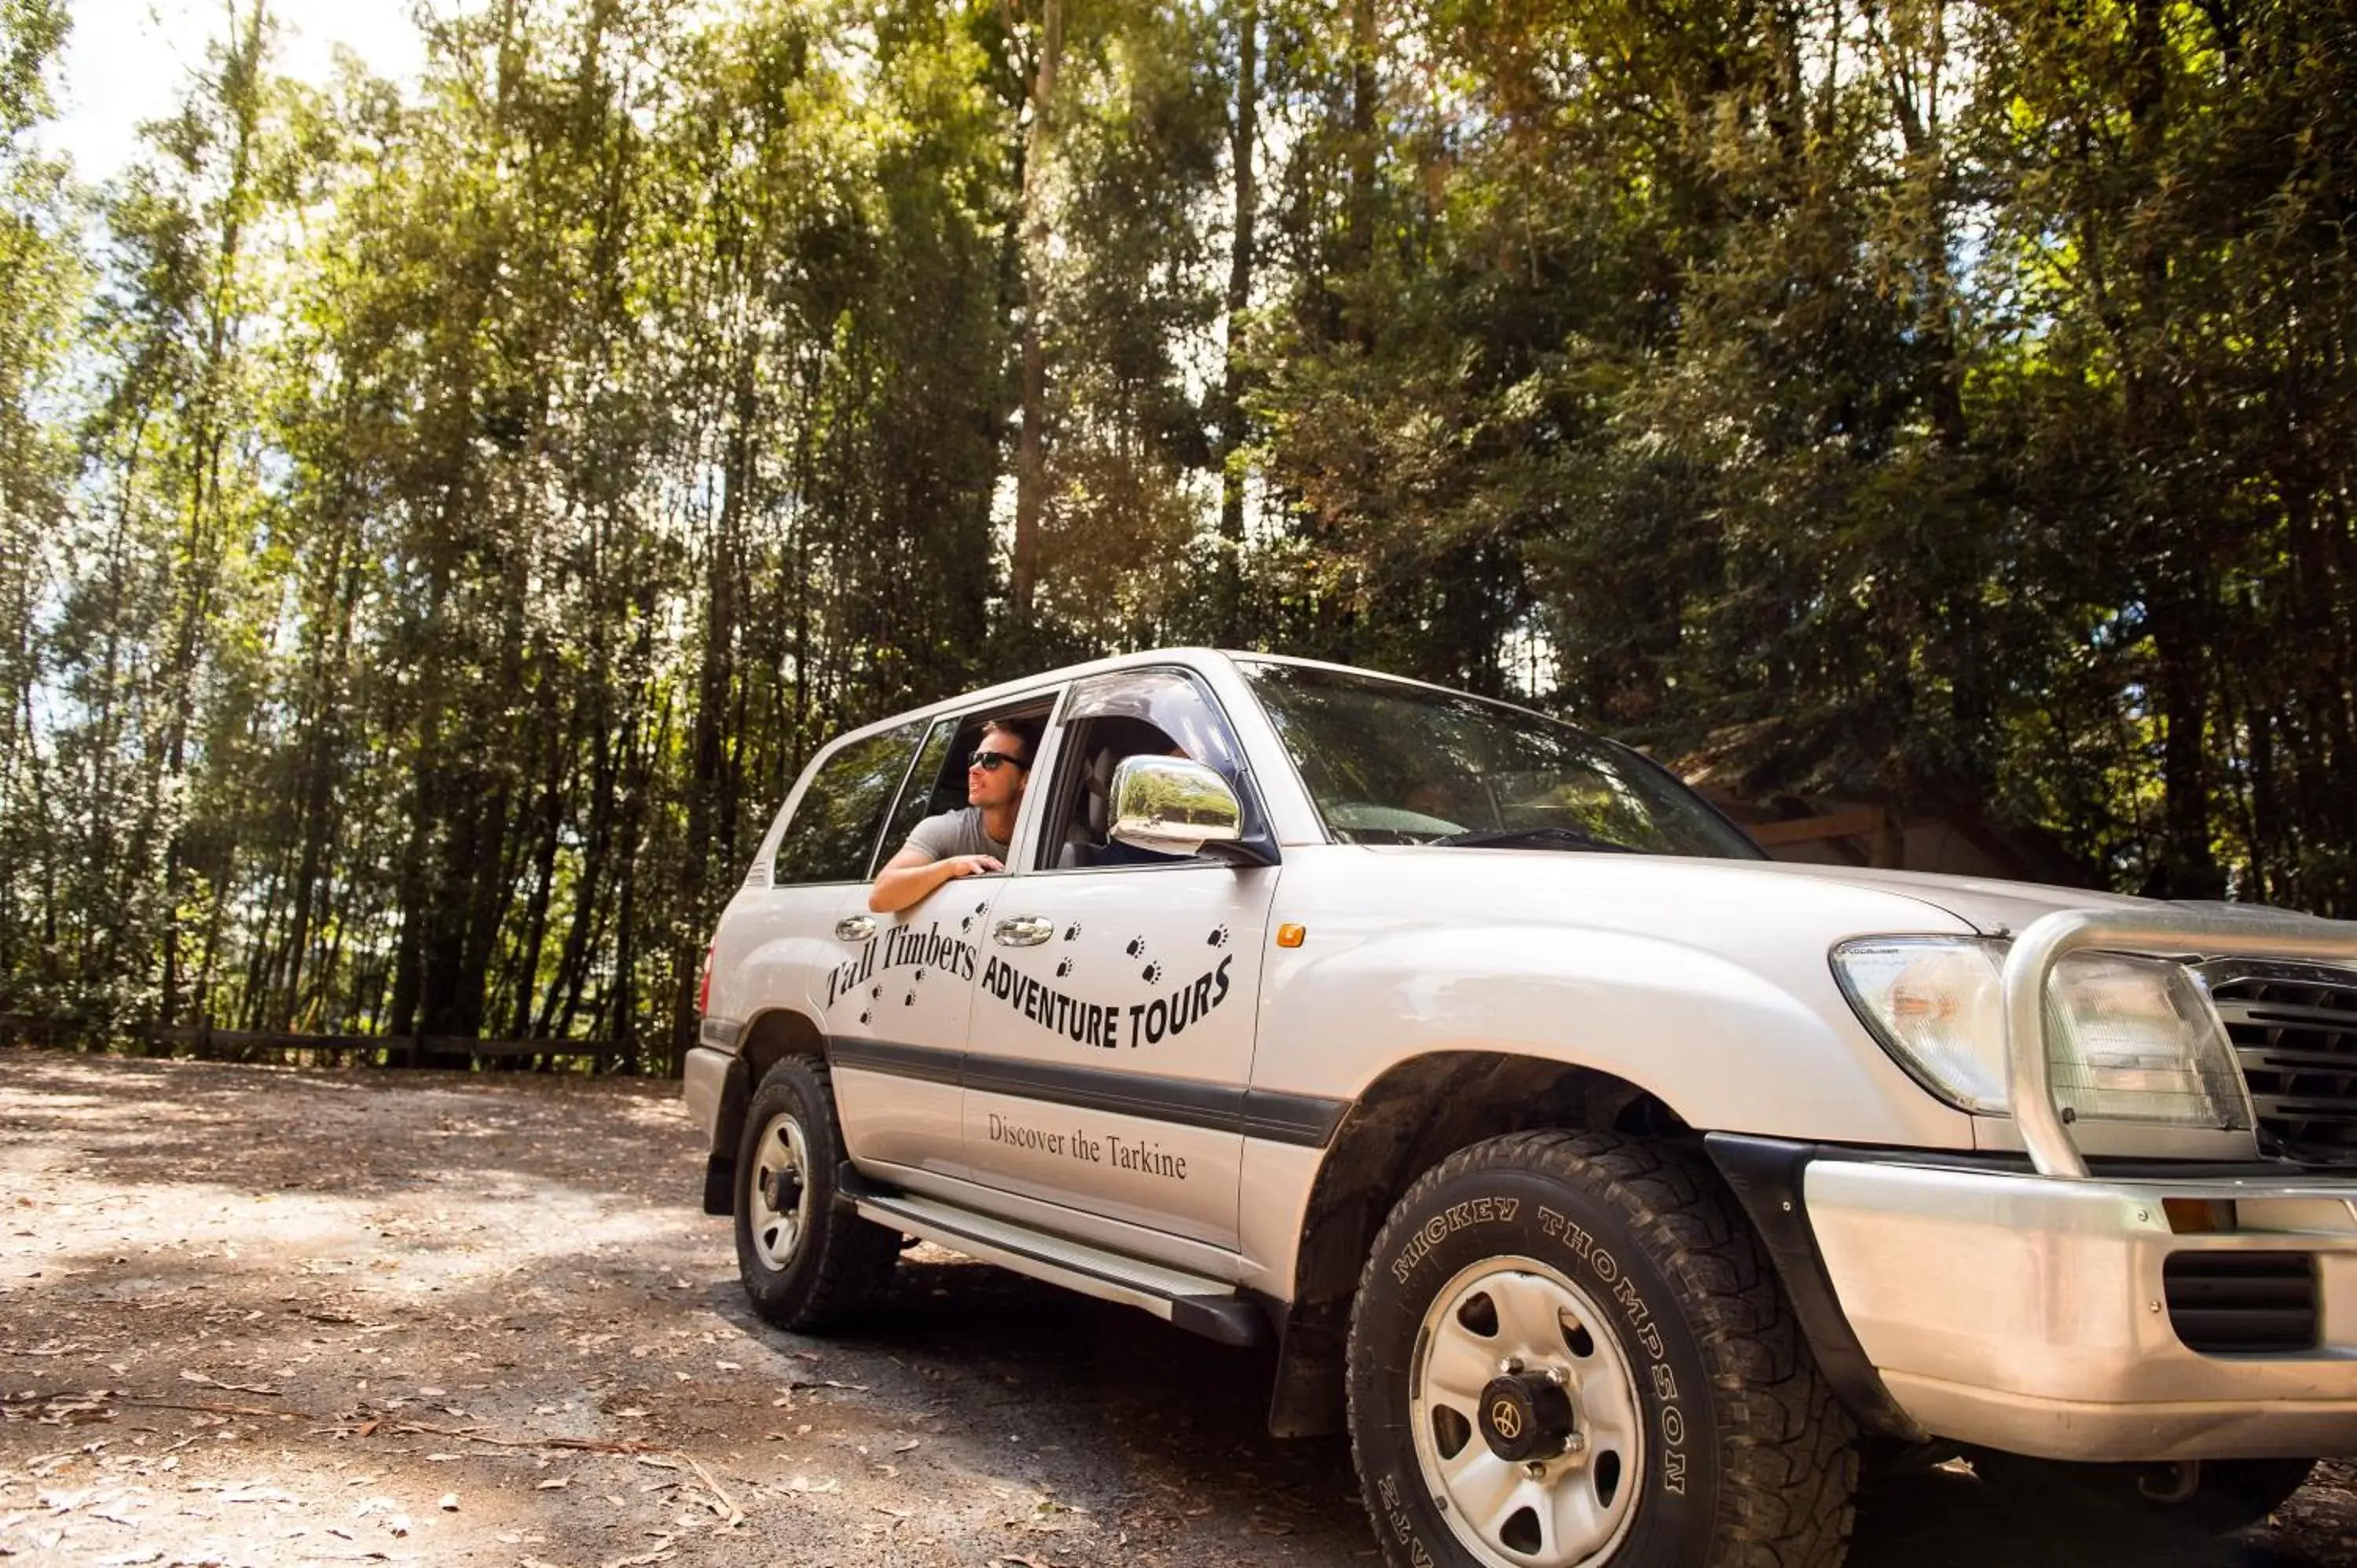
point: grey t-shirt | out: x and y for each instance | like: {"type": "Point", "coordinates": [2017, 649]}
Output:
{"type": "Point", "coordinates": [956, 833]}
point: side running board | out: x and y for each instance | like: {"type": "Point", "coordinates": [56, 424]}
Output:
{"type": "Point", "coordinates": [1191, 1301]}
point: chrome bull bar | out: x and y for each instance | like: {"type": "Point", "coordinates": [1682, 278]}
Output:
{"type": "Point", "coordinates": [2227, 932]}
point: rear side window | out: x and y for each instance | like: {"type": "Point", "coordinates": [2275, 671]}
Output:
{"type": "Point", "coordinates": [918, 800]}
{"type": "Point", "coordinates": [831, 837]}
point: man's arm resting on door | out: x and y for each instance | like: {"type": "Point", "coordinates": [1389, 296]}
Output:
{"type": "Point", "coordinates": [910, 876]}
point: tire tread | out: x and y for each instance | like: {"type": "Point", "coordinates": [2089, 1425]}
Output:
{"type": "Point", "coordinates": [1789, 1461]}
{"type": "Point", "coordinates": [854, 1258]}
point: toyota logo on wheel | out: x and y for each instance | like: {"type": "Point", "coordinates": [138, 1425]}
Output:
{"type": "Point", "coordinates": [1506, 1419]}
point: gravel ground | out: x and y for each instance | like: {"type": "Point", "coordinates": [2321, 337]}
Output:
{"type": "Point", "coordinates": [255, 1315]}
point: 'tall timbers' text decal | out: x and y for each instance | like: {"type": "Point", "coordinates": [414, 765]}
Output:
{"type": "Point", "coordinates": [901, 947]}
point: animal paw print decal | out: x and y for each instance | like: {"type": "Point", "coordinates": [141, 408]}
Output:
{"type": "Point", "coordinates": [1136, 948]}
{"type": "Point", "coordinates": [965, 925]}
{"type": "Point", "coordinates": [1071, 930]}
{"type": "Point", "coordinates": [917, 977]}
{"type": "Point", "coordinates": [1218, 938]}
{"type": "Point", "coordinates": [909, 1000]}
{"type": "Point", "coordinates": [876, 992]}
{"type": "Point", "coordinates": [1063, 969]}
{"type": "Point", "coordinates": [866, 1015]}
{"type": "Point", "coordinates": [1153, 971]}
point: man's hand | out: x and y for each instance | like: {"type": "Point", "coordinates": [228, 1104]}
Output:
{"type": "Point", "coordinates": [971, 866]}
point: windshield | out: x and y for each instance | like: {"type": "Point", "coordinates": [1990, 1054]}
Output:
{"type": "Point", "coordinates": [1390, 763]}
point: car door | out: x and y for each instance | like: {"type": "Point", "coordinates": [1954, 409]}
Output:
{"type": "Point", "coordinates": [896, 1001]}
{"type": "Point", "coordinates": [1112, 1035]}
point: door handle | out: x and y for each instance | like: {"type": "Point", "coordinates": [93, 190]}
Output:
{"type": "Point", "coordinates": [1023, 930]}
{"type": "Point", "coordinates": [855, 928]}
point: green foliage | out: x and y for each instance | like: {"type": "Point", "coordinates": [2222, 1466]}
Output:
{"type": "Point", "coordinates": [437, 524]}
{"type": "Point", "coordinates": [42, 277]}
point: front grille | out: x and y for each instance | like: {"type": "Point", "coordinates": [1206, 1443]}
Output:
{"type": "Point", "coordinates": [2229, 1304]}
{"type": "Point", "coordinates": [2293, 1026]}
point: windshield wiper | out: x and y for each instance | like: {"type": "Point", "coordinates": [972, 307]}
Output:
{"type": "Point", "coordinates": [1531, 838]}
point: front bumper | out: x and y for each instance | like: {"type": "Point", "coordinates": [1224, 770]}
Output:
{"type": "Point", "coordinates": [2031, 1313]}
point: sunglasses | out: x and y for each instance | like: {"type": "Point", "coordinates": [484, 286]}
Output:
{"type": "Point", "coordinates": [989, 761]}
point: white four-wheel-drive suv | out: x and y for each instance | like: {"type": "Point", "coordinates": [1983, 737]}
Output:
{"type": "Point", "coordinates": [1620, 1187]}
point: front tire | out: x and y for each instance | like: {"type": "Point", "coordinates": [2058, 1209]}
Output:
{"type": "Point", "coordinates": [808, 1262]}
{"type": "Point", "coordinates": [1569, 1351]}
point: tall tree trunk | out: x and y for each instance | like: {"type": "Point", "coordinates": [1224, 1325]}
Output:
{"type": "Point", "coordinates": [241, 87]}
{"type": "Point", "coordinates": [1359, 235]}
{"type": "Point", "coordinates": [2189, 864]}
{"type": "Point", "coordinates": [1030, 454]}
{"type": "Point", "coordinates": [2179, 525]}
{"type": "Point", "coordinates": [314, 819]}
{"type": "Point", "coordinates": [708, 791]}
{"type": "Point", "coordinates": [549, 825]}
{"type": "Point", "coordinates": [1244, 142]}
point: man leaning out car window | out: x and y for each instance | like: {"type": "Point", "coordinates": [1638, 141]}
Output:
{"type": "Point", "coordinates": [970, 840]}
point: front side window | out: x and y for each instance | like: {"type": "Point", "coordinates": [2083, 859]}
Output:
{"type": "Point", "coordinates": [831, 837]}
{"type": "Point", "coordinates": [1387, 762]}
{"type": "Point", "coordinates": [1110, 718]}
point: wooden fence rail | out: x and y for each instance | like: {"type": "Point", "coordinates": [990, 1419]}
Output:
{"type": "Point", "coordinates": [406, 1050]}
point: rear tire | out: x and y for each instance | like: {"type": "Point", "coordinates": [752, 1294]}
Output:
{"type": "Point", "coordinates": [1569, 1351]}
{"type": "Point", "coordinates": [808, 1262]}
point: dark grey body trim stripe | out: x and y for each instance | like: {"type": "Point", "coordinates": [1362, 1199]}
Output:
{"type": "Point", "coordinates": [1306, 1119]}
{"type": "Point", "coordinates": [720, 1033]}
{"type": "Point", "coordinates": [900, 1061]}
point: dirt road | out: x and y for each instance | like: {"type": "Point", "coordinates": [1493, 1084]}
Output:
{"type": "Point", "coordinates": [250, 1315]}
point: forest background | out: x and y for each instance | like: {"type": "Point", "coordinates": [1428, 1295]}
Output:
{"type": "Point", "coordinates": [437, 523]}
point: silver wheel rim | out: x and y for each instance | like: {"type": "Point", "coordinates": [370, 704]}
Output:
{"type": "Point", "coordinates": [777, 1227]}
{"type": "Point", "coordinates": [1516, 1315]}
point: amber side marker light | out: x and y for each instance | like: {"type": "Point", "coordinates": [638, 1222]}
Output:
{"type": "Point", "coordinates": [2198, 1215]}
{"type": "Point", "coordinates": [1290, 936]}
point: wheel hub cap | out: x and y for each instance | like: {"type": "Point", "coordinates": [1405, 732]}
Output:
{"type": "Point", "coordinates": [1524, 1417]}
{"type": "Point", "coordinates": [778, 1197]}
{"type": "Point", "coordinates": [1524, 1408]}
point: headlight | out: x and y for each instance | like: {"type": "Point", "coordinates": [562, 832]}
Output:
{"type": "Point", "coordinates": [2127, 1039]}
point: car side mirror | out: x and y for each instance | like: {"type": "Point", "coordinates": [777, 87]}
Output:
{"type": "Point", "coordinates": [1172, 805]}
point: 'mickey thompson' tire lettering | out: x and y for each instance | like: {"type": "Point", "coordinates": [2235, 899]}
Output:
{"type": "Point", "coordinates": [1456, 1217]}
{"type": "Point", "coordinates": [1402, 1526]}
{"type": "Point", "coordinates": [1736, 1451]}
{"type": "Point", "coordinates": [1608, 1269]}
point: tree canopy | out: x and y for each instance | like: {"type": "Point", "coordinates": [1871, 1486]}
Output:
{"type": "Point", "coordinates": [438, 521]}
